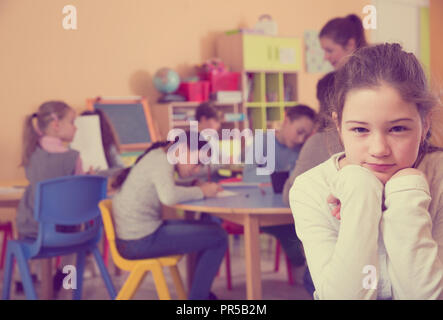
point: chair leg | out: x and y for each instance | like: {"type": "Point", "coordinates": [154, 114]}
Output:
{"type": "Point", "coordinates": [228, 268]}
{"type": "Point", "coordinates": [25, 274]}
{"type": "Point", "coordinates": [277, 256]}
{"type": "Point", "coordinates": [81, 261]}
{"type": "Point", "coordinates": [290, 275]}
{"type": "Point", "coordinates": [180, 289]}
{"type": "Point", "coordinates": [58, 262]}
{"type": "Point", "coordinates": [160, 283]}
{"type": "Point", "coordinates": [7, 277]}
{"type": "Point", "coordinates": [105, 251]}
{"type": "Point", "coordinates": [5, 241]}
{"type": "Point", "coordinates": [131, 285]}
{"type": "Point", "coordinates": [105, 274]}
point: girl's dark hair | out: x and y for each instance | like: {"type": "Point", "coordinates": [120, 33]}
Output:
{"type": "Point", "coordinates": [207, 110]}
{"type": "Point", "coordinates": [299, 111]}
{"type": "Point", "coordinates": [324, 89]}
{"type": "Point", "coordinates": [372, 66]}
{"type": "Point", "coordinates": [47, 112]}
{"type": "Point", "coordinates": [188, 135]}
{"type": "Point", "coordinates": [109, 136]}
{"type": "Point", "coordinates": [341, 30]}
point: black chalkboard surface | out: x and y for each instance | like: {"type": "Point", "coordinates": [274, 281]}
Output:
{"type": "Point", "coordinates": [131, 119]}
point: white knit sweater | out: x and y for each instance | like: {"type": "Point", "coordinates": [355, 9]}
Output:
{"type": "Point", "coordinates": [404, 242]}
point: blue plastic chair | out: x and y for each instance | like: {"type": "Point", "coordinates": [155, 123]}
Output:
{"type": "Point", "coordinates": [69, 222]}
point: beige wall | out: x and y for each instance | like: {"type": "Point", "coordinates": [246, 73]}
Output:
{"type": "Point", "coordinates": [436, 30]}
{"type": "Point", "coordinates": [118, 47]}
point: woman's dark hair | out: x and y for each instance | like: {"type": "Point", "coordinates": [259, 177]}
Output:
{"type": "Point", "coordinates": [341, 30]}
{"type": "Point", "coordinates": [207, 110]}
{"type": "Point", "coordinates": [324, 89]}
{"type": "Point", "coordinates": [299, 111]}
{"type": "Point", "coordinates": [109, 136]}
{"type": "Point", "coordinates": [372, 66]}
{"type": "Point", "coordinates": [188, 135]}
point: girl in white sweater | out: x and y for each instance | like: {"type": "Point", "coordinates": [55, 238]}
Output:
{"type": "Point", "coordinates": [384, 238]}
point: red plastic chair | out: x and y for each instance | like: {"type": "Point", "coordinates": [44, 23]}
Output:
{"type": "Point", "coordinates": [288, 263]}
{"type": "Point", "coordinates": [6, 228]}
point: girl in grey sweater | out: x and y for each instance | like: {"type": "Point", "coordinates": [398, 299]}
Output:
{"type": "Point", "coordinates": [141, 232]}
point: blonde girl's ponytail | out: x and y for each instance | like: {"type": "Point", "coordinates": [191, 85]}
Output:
{"type": "Point", "coordinates": [30, 139]}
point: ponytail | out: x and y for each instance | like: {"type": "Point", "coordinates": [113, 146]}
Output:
{"type": "Point", "coordinates": [124, 174]}
{"type": "Point", "coordinates": [341, 30]}
{"type": "Point", "coordinates": [30, 139]}
{"type": "Point", "coordinates": [358, 30]}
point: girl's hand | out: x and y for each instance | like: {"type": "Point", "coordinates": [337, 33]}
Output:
{"type": "Point", "coordinates": [335, 204]}
{"type": "Point", "coordinates": [91, 171]}
{"type": "Point", "coordinates": [210, 189]}
{"type": "Point", "coordinates": [407, 172]}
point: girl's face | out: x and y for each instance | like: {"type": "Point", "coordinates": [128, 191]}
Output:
{"type": "Point", "coordinates": [336, 53]}
{"type": "Point", "coordinates": [380, 131]}
{"type": "Point", "coordinates": [297, 131]}
{"type": "Point", "coordinates": [66, 128]}
{"type": "Point", "coordinates": [209, 123]}
{"type": "Point", "coordinates": [188, 169]}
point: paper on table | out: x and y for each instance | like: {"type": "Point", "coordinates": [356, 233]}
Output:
{"type": "Point", "coordinates": [240, 184]}
{"type": "Point", "coordinates": [88, 141]}
{"type": "Point", "coordinates": [226, 193]}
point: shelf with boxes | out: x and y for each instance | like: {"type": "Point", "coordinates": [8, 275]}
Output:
{"type": "Point", "coordinates": [179, 115]}
{"type": "Point", "coordinates": [268, 67]}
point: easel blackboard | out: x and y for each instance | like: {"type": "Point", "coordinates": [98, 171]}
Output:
{"type": "Point", "coordinates": [131, 118]}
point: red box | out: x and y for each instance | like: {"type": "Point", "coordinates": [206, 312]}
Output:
{"type": "Point", "coordinates": [226, 81]}
{"type": "Point", "coordinates": [194, 91]}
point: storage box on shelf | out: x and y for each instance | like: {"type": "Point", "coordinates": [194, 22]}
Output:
{"type": "Point", "coordinates": [268, 66]}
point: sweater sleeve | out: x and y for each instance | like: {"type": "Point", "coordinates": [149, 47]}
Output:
{"type": "Point", "coordinates": [414, 266]}
{"type": "Point", "coordinates": [168, 192]}
{"type": "Point", "coordinates": [337, 261]}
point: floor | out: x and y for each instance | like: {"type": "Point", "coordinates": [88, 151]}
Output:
{"type": "Point", "coordinates": [94, 287]}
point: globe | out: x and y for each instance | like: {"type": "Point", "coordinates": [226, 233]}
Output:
{"type": "Point", "coordinates": [166, 80]}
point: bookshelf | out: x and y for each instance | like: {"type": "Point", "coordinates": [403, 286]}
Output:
{"type": "Point", "coordinates": [179, 115]}
{"type": "Point", "coordinates": [269, 67]}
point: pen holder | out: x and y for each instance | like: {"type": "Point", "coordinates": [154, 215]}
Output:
{"type": "Point", "coordinates": [278, 179]}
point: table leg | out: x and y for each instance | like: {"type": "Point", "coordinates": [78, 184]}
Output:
{"type": "Point", "coordinates": [190, 257]}
{"type": "Point", "coordinates": [47, 292]}
{"type": "Point", "coordinates": [252, 253]}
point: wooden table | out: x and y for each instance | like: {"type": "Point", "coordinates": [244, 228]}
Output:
{"type": "Point", "coordinates": [252, 207]}
{"type": "Point", "coordinates": [8, 208]}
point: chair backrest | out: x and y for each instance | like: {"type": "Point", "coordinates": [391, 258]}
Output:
{"type": "Point", "coordinates": [106, 210]}
{"type": "Point", "coordinates": [67, 210]}
{"type": "Point", "coordinates": [108, 223]}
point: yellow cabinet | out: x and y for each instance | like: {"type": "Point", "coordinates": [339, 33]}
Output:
{"type": "Point", "coordinates": [269, 67]}
{"type": "Point", "coordinates": [271, 53]}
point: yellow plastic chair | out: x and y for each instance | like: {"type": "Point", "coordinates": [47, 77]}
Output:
{"type": "Point", "coordinates": [139, 268]}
